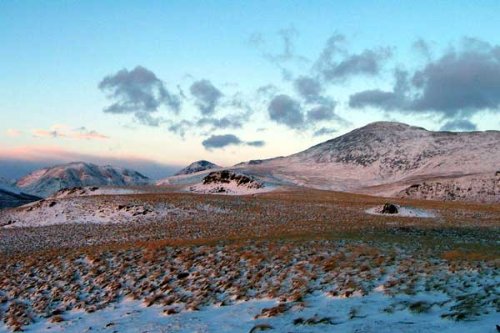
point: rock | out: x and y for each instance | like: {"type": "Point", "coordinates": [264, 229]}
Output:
{"type": "Point", "coordinates": [226, 176]}
{"type": "Point", "coordinates": [389, 208]}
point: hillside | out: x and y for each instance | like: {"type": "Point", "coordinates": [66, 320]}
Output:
{"type": "Point", "coordinates": [45, 182]}
{"type": "Point", "coordinates": [385, 153]}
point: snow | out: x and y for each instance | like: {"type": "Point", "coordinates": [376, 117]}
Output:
{"type": "Point", "coordinates": [231, 188]}
{"type": "Point", "coordinates": [403, 211]}
{"type": "Point", "coordinates": [45, 182]}
{"type": "Point", "coordinates": [88, 191]}
{"type": "Point", "coordinates": [197, 166]}
{"type": "Point", "coordinates": [353, 314]}
{"type": "Point", "coordinates": [85, 210]}
{"type": "Point", "coordinates": [387, 153]}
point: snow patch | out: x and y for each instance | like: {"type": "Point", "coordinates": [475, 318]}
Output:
{"type": "Point", "coordinates": [353, 314]}
{"type": "Point", "coordinates": [403, 211]}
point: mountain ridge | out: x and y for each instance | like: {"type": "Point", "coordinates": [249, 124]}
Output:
{"type": "Point", "coordinates": [46, 181]}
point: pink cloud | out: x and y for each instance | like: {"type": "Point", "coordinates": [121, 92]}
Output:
{"type": "Point", "coordinates": [51, 155]}
{"type": "Point", "coordinates": [63, 131]}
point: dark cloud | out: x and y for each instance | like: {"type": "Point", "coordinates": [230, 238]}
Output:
{"type": "Point", "coordinates": [139, 92]}
{"type": "Point", "coordinates": [222, 141]}
{"type": "Point", "coordinates": [221, 123]}
{"type": "Point", "coordinates": [258, 143]}
{"type": "Point", "coordinates": [336, 64]}
{"type": "Point", "coordinates": [369, 62]}
{"type": "Point", "coordinates": [459, 125]}
{"type": "Point", "coordinates": [285, 110]}
{"type": "Point", "coordinates": [386, 100]}
{"type": "Point", "coordinates": [454, 86]}
{"type": "Point", "coordinates": [207, 96]}
{"type": "Point", "coordinates": [180, 127]}
{"type": "Point", "coordinates": [459, 83]}
{"type": "Point", "coordinates": [322, 113]}
{"type": "Point", "coordinates": [308, 88]}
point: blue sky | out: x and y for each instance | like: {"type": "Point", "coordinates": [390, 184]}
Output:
{"type": "Point", "coordinates": [54, 54]}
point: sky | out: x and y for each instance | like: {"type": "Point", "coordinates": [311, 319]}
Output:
{"type": "Point", "coordinates": [156, 85]}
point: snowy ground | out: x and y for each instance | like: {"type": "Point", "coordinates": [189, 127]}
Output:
{"type": "Point", "coordinates": [94, 190]}
{"type": "Point", "coordinates": [86, 210]}
{"type": "Point", "coordinates": [320, 313]}
{"type": "Point", "coordinates": [228, 189]}
{"type": "Point", "coordinates": [404, 211]}
{"type": "Point", "coordinates": [289, 261]}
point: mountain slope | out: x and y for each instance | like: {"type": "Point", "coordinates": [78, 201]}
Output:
{"type": "Point", "coordinates": [197, 166]}
{"type": "Point", "coordinates": [45, 182]}
{"type": "Point", "coordinates": [13, 197]}
{"type": "Point", "coordinates": [384, 153]}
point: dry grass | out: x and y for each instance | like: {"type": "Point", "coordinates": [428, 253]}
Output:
{"type": "Point", "coordinates": [276, 245]}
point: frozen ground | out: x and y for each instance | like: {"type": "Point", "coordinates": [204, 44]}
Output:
{"type": "Point", "coordinates": [228, 189]}
{"type": "Point", "coordinates": [84, 209]}
{"type": "Point", "coordinates": [93, 190]}
{"type": "Point", "coordinates": [291, 261]}
{"type": "Point", "coordinates": [320, 313]}
{"type": "Point", "coordinates": [403, 211]}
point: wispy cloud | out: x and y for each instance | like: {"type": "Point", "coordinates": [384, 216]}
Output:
{"type": "Point", "coordinates": [65, 132]}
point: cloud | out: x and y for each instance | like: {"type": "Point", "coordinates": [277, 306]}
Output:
{"type": "Point", "coordinates": [322, 113]}
{"type": "Point", "coordinates": [335, 63]}
{"type": "Point", "coordinates": [423, 47]}
{"type": "Point", "coordinates": [460, 82]}
{"type": "Point", "coordinates": [459, 125]}
{"type": "Point", "coordinates": [258, 143]}
{"type": "Point", "coordinates": [308, 88]}
{"type": "Point", "coordinates": [285, 110]}
{"type": "Point", "coordinates": [181, 127]}
{"type": "Point", "coordinates": [267, 91]}
{"type": "Point", "coordinates": [457, 85]}
{"type": "Point", "coordinates": [324, 131]}
{"type": "Point", "coordinates": [139, 92]}
{"type": "Point", "coordinates": [220, 123]}
{"type": "Point", "coordinates": [207, 96]}
{"type": "Point", "coordinates": [222, 141]}
{"type": "Point", "coordinates": [285, 55]}
{"type": "Point", "coordinates": [64, 131]}
{"type": "Point", "coordinates": [13, 133]}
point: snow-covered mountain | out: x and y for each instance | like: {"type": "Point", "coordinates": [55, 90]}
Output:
{"type": "Point", "coordinates": [370, 158]}
{"type": "Point", "coordinates": [10, 196]}
{"type": "Point", "coordinates": [45, 182]}
{"type": "Point", "coordinates": [197, 166]}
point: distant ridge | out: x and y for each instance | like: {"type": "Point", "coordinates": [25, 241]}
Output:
{"type": "Point", "coordinates": [47, 181]}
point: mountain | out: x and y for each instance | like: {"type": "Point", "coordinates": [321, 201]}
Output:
{"type": "Point", "coordinates": [45, 182]}
{"type": "Point", "coordinates": [11, 196]}
{"type": "Point", "coordinates": [386, 158]}
{"type": "Point", "coordinates": [197, 166]}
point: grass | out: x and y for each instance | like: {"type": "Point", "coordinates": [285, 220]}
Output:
{"type": "Point", "coordinates": [281, 245]}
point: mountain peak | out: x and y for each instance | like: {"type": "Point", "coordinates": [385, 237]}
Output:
{"type": "Point", "coordinates": [197, 166]}
{"type": "Point", "coordinates": [389, 126]}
